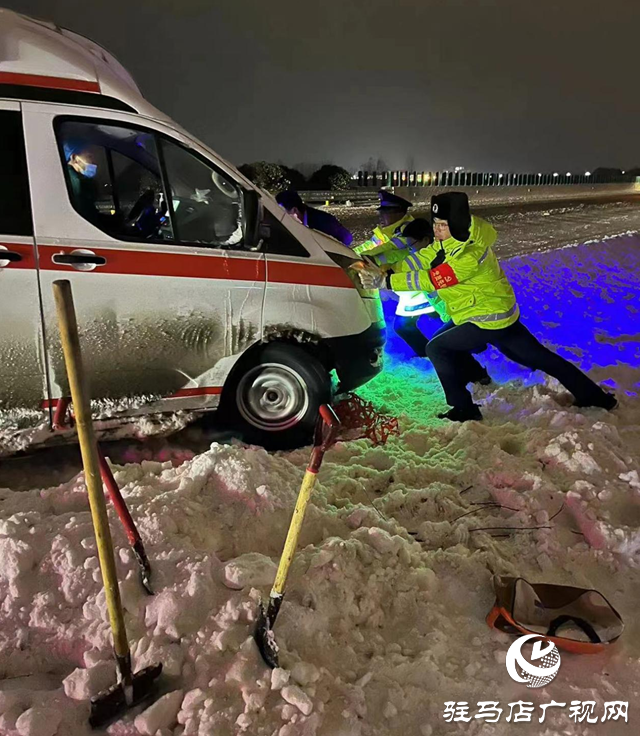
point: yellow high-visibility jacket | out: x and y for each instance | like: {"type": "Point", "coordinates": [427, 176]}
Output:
{"type": "Point", "coordinates": [468, 279]}
{"type": "Point", "coordinates": [388, 246]}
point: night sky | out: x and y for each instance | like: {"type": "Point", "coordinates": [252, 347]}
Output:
{"type": "Point", "coordinates": [520, 85]}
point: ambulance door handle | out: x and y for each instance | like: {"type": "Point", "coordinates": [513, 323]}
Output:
{"type": "Point", "coordinates": [9, 255]}
{"type": "Point", "coordinates": [79, 259]}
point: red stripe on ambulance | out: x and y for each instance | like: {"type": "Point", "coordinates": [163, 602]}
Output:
{"type": "Point", "coordinates": [174, 265]}
{"type": "Point", "coordinates": [187, 265]}
{"type": "Point", "coordinates": [26, 251]}
{"type": "Point", "coordinates": [286, 272]}
{"type": "Point", "coordinates": [198, 391]}
{"type": "Point", "coordinates": [41, 80]}
{"type": "Point", "coordinates": [181, 393]}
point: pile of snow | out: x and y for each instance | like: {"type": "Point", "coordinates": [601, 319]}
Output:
{"type": "Point", "coordinates": [383, 621]}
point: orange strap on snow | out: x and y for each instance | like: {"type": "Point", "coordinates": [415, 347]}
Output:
{"type": "Point", "coordinates": [526, 608]}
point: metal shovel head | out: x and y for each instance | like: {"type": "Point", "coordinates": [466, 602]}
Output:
{"type": "Point", "coordinates": [145, 579]}
{"type": "Point", "coordinates": [265, 639]}
{"type": "Point", "coordinates": [111, 704]}
{"type": "Point", "coordinates": [145, 567]}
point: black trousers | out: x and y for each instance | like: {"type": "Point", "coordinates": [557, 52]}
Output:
{"type": "Point", "coordinates": [449, 351]}
{"type": "Point", "coordinates": [407, 329]}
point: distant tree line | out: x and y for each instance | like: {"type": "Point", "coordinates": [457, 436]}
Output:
{"type": "Point", "coordinates": [276, 177]}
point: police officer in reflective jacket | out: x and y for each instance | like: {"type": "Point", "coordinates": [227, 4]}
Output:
{"type": "Point", "coordinates": [387, 246]}
{"type": "Point", "coordinates": [482, 306]}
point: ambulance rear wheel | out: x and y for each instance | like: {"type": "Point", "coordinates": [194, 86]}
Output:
{"type": "Point", "coordinates": [274, 399]}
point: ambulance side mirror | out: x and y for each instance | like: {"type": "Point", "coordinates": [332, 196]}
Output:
{"type": "Point", "coordinates": [255, 231]}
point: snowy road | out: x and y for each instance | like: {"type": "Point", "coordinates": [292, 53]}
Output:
{"type": "Point", "coordinates": [520, 231]}
{"type": "Point", "coordinates": [384, 618]}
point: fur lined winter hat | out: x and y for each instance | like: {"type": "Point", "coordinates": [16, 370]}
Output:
{"type": "Point", "coordinates": [454, 208]}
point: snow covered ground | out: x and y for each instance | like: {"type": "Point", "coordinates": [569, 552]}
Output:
{"type": "Point", "coordinates": [383, 621]}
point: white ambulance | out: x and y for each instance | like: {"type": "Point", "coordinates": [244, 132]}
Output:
{"type": "Point", "coordinates": [192, 287]}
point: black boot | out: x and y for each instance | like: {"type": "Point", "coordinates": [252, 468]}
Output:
{"type": "Point", "coordinates": [462, 414]}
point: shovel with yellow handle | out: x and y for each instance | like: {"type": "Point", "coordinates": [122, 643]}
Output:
{"type": "Point", "coordinates": [325, 435]}
{"type": "Point", "coordinates": [131, 688]}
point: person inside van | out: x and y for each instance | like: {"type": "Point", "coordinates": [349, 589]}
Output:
{"type": "Point", "coordinates": [313, 218]}
{"type": "Point", "coordinates": [82, 171]}
{"type": "Point", "coordinates": [90, 190]}
{"type": "Point", "coordinates": [482, 305]}
{"type": "Point", "coordinates": [82, 168]}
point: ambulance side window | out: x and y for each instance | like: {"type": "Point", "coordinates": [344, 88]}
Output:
{"type": "Point", "coordinates": [15, 203]}
{"type": "Point", "coordinates": [205, 202]}
{"type": "Point", "coordinates": [114, 179]}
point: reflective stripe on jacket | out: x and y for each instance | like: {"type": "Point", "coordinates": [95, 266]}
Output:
{"type": "Point", "coordinates": [387, 245]}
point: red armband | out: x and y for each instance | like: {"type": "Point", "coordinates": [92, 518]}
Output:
{"type": "Point", "coordinates": [443, 276]}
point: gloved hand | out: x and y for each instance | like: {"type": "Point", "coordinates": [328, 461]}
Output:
{"type": "Point", "coordinates": [372, 279]}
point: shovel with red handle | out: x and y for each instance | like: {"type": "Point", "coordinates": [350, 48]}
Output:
{"type": "Point", "coordinates": [133, 535]}
{"type": "Point", "coordinates": [62, 419]}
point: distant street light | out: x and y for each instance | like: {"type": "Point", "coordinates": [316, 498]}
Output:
{"type": "Point", "coordinates": [587, 173]}
{"type": "Point", "coordinates": [555, 173]}
{"type": "Point", "coordinates": [568, 173]}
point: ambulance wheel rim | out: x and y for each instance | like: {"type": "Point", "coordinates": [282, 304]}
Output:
{"type": "Point", "coordinates": [272, 397]}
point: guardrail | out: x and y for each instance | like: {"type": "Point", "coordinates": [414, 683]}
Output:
{"type": "Point", "coordinates": [360, 196]}
{"type": "Point", "coordinates": [484, 179]}
{"type": "Point", "coordinates": [479, 194]}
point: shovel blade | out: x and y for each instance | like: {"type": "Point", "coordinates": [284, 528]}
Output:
{"type": "Point", "coordinates": [145, 579]}
{"type": "Point", "coordinates": [111, 704]}
{"type": "Point", "coordinates": [266, 640]}
{"type": "Point", "coordinates": [145, 567]}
